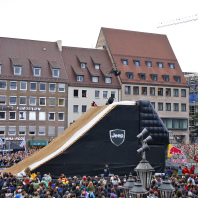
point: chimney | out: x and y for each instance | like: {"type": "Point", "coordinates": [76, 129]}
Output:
{"type": "Point", "coordinates": [59, 43]}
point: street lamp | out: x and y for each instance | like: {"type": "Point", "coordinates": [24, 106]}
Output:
{"type": "Point", "coordinates": [138, 190]}
{"type": "Point", "coordinates": [128, 185]}
{"type": "Point", "coordinates": [166, 189]}
{"type": "Point", "coordinates": [144, 169]}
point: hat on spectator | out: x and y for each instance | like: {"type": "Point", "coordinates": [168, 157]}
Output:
{"type": "Point", "coordinates": [84, 178]}
{"type": "Point", "coordinates": [112, 196]}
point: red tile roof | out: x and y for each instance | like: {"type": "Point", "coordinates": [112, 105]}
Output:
{"type": "Point", "coordinates": [144, 47]}
{"type": "Point", "coordinates": [23, 52]}
{"type": "Point", "coordinates": [72, 65]}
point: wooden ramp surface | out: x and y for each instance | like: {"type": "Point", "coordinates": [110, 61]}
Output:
{"type": "Point", "coordinates": [58, 141]}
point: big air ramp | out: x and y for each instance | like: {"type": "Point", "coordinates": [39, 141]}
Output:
{"type": "Point", "coordinates": [105, 134]}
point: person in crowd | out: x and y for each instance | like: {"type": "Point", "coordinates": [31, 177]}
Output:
{"type": "Point", "coordinates": [106, 170]}
{"type": "Point", "coordinates": [192, 170]}
{"type": "Point", "coordinates": [185, 170]}
{"type": "Point", "coordinates": [180, 171]}
{"type": "Point", "coordinates": [169, 172]}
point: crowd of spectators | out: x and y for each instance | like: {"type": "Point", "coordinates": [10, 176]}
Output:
{"type": "Point", "coordinates": [190, 149]}
{"type": "Point", "coordinates": [9, 159]}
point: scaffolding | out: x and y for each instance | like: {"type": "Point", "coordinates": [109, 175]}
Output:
{"type": "Point", "coordinates": [192, 80]}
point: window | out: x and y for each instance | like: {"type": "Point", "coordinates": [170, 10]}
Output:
{"type": "Point", "coordinates": [33, 86]}
{"type": "Point", "coordinates": [142, 76]}
{"type": "Point", "coordinates": [160, 91]}
{"type": "Point", "coordinates": [105, 94]}
{"type": "Point", "coordinates": [152, 91]}
{"type": "Point", "coordinates": [3, 84]}
{"type": "Point", "coordinates": [22, 130]}
{"type": "Point", "coordinates": [153, 104]}
{"type": "Point", "coordinates": [52, 87]}
{"type": "Point", "coordinates": [129, 75]}
{"type": "Point", "coordinates": [137, 62]}
{"type": "Point", "coordinates": [176, 106]}
{"type": "Point", "coordinates": [84, 108]}
{"type": "Point", "coordinates": [12, 115]}
{"type": "Point", "coordinates": [95, 79]}
{"type": "Point", "coordinates": [154, 77]}
{"type": "Point", "coordinates": [2, 100]}
{"type": "Point", "coordinates": [23, 85]}
{"type": "Point", "coordinates": [61, 87]}
{"type": "Point", "coordinates": [135, 90]}
{"type": "Point", "coordinates": [41, 130]}
{"type": "Point", "coordinates": [2, 130]}
{"type": "Point", "coordinates": [144, 90]}
{"type": "Point", "coordinates": [107, 80]}
{"type": "Point", "coordinates": [23, 100]}
{"type": "Point", "coordinates": [183, 92]}
{"type": "Point", "coordinates": [17, 70]}
{"type": "Point", "coordinates": [55, 72]}
{"type": "Point", "coordinates": [13, 85]}
{"type": "Point", "coordinates": [32, 130]}
{"type": "Point", "coordinates": [175, 123]}
{"type": "Point", "coordinates": [51, 116]}
{"type": "Point", "coordinates": [83, 65]}
{"type": "Point", "coordinates": [84, 93]}
{"type": "Point", "coordinates": [168, 106]}
{"type": "Point", "coordinates": [160, 106]}
{"type": "Point", "coordinates": [60, 130]}
{"type": "Point", "coordinates": [172, 65]}
{"type": "Point", "coordinates": [51, 131]}
{"type": "Point", "coordinates": [97, 94]}
{"type": "Point", "coordinates": [52, 101]}
{"type": "Point", "coordinates": [97, 66]}
{"type": "Point", "coordinates": [60, 116]}
{"type": "Point", "coordinates": [177, 79]}
{"type": "Point", "coordinates": [149, 63]}
{"type": "Point", "coordinates": [2, 115]}
{"type": "Point", "coordinates": [183, 107]}
{"type": "Point", "coordinates": [32, 101]}
{"type": "Point", "coordinates": [125, 61]}
{"type": "Point", "coordinates": [168, 92]}
{"type": "Point", "coordinates": [42, 86]}
{"type": "Point", "coordinates": [37, 71]}
{"type": "Point", "coordinates": [12, 130]}
{"type": "Point", "coordinates": [61, 102]}
{"type": "Point", "coordinates": [75, 93]}
{"type": "Point", "coordinates": [176, 92]}
{"type": "Point", "coordinates": [127, 90]}
{"type": "Point", "coordinates": [113, 94]}
{"type": "Point", "coordinates": [160, 64]}
{"type": "Point", "coordinates": [166, 78]}
{"type": "Point", "coordinates": [80, 78]}
{"type": "Point", "coordinates": [13, 100]}
{"type": "Point", "coordinates": [42, 101]}
{"type": "Point", "coordinates": [42, 115]}
{"type": "Point", "coordinates": [32, 115]}
{"type": "Point", "coordinates": [22, 115]}
{"type": "Point", "coordinates": [75, 108]}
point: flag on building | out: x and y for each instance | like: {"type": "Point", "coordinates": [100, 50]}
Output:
{"type": "Point", "coordinates": [23, 143]}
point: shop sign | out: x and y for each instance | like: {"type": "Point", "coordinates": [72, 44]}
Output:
{"type": "Point", "coordinates": [11, 108]}
{"type": "Point", "coordinates": [14, 138]}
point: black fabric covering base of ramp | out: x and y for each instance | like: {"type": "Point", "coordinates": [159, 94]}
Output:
{"type": "Point", "coordinates": [91, 152]}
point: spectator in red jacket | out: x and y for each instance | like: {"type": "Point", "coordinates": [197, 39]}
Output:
{"type": "Point", "coordinates": [192, 170]}
{"type": "Point", "coordinates": [185, 170]}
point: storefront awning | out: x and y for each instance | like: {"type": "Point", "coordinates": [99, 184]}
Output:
{"type": "Point", "coordinates": [37, 143]}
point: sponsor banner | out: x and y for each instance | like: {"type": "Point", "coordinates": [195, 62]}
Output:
{"type": "Point", "coordinates": [117, 136]}
{"type": "Point", "coordinates": [172, 150]}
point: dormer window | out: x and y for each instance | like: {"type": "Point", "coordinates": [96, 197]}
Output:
{"type": "Point", "coordinates": [37, 71]}
{"type": "Point", "coordinates": [166, 78]}
{"type": "Point", "coordinates": [137, 62]}
{"type": "Point", "coordinates": [177, 78]}
{"type": "Point", "coordinates": [95, 79]}
{"type": "Point", "coordinates": [142, 76]}
{"type": "Point", "coordinates": [160, 64]}
{"type": "Point", "coordinates": [97, 66]}
{"type": "Point", "coordinates": [129, 75]}
{"type": "Point", "coordinates": [55, 69]}
{"type": "Point", "coordinates": [83, 65]}
{"type": "Point", "coordinates": [154, 77]}
{"type": "Point", "coordinates": [172, 65]}
{"type": "Point", "coordinates": [149, 63]}
{"type": "Point", "coordinates": [80, 78]}
{"type": "Point", "coordinates": [125, 61]}
{"type": "Point", "coordinates": [17, 70]}
{"type": "Point", "coordinates": [107, 80]}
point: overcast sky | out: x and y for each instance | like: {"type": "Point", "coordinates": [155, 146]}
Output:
{"type": "Point", "coordinates": [77, 22]}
